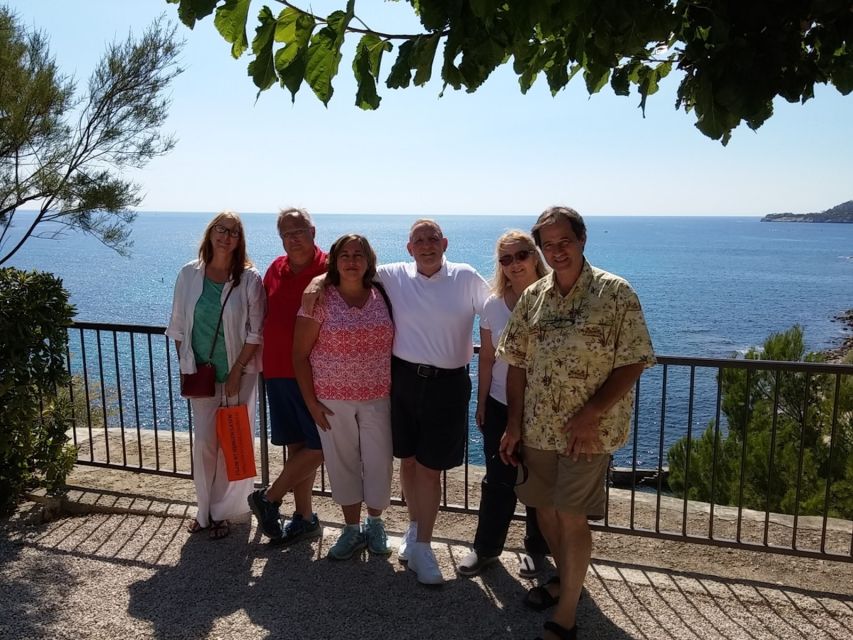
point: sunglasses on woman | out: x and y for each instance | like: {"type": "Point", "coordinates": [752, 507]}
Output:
{"type": "Point", "coordinates": [518, 256]}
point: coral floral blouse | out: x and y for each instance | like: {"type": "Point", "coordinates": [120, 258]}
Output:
{"type": "Point", "coordinates": [351, 359]}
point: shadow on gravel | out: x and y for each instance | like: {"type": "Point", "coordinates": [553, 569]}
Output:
{"type": "Point", "coordinates": [209, 581]}
{"type": "Point", "coordinates": [297, 592]}
{"type": "Point", "coordinates": [653, 602]}
{"type": "Point", "coordinates": [22, 594]}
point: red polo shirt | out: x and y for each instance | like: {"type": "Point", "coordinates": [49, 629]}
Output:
{"type": "Point", "coordinates": [284, 297]}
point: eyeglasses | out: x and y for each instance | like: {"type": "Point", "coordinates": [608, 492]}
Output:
{"type": "Point", "coordinates": [518, 256]}
{"type": "Point", "coordinates": [295, 233]}
{"type": "Point", "coordinates": [221, 229]}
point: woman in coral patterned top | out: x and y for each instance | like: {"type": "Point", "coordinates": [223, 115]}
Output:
{"type": "Point", "coordinates": [342, 359]}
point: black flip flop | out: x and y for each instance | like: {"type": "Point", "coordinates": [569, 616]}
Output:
{"type": "Point", "coordinates": [539, 598]}
{"type": "Point", "coordinates": [560, 631]}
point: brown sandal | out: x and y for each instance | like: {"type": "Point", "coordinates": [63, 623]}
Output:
{"type": "Point", "coordinates": [219, 529]}
{"type": "Point", "coordinates": [194, 526]}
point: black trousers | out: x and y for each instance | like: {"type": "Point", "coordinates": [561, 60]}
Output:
{"type": "Point", "coordinates": [497, 501]}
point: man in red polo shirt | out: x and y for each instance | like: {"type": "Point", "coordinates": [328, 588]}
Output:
{"type": "Point", "coordinates": [290, 421]}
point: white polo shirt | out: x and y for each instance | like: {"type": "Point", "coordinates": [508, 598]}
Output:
{"type": "Point", "coordinates": [434, 316]}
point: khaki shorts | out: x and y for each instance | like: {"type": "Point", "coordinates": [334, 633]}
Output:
{"type": "Point", "coordinates": [557, 481]}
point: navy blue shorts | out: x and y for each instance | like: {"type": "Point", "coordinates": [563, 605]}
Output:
{"type": "Point", "coordinates": [290, 420]}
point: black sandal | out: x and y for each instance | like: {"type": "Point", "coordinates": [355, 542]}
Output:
{"type": "Point", "coordinates": [219, 529]}
{"type": "Point", "coordinates": [539, 598]}
{"type": "Point", "coordinates": [194, 527]}
{"type": "Point", "coordinates": [560, 631]}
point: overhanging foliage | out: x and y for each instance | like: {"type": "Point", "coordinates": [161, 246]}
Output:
{"type": "Point", "coordinates": [734, 56]}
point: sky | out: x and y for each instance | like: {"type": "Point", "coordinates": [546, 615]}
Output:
{"type": "Point", "coordinates": [492, 152]}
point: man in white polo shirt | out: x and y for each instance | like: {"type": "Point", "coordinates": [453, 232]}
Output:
{"type": "Point", "coordinates": [434, 302]}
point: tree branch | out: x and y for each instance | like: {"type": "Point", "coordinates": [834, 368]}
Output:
{"type": "Point", "coordinates": [367, 30]}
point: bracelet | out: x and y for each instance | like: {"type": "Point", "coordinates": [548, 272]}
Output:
{"type": "Point", "coordinates": [242, 365]}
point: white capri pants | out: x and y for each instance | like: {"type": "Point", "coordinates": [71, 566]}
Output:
{"type": "Point", "coordinates": [358, 452]}
{"type": "Point", "coordinates": [219, 499]}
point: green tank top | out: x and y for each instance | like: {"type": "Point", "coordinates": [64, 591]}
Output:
{"type": "Point", "coordinates": [205, 318]}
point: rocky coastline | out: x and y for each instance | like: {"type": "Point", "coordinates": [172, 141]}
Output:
{"type": "Point", "coordinates": [841, 213]}
{"type": "Point", "coordinates": [837, 354]}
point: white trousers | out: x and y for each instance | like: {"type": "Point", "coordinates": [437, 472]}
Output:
{"type": "Point", "coordinates": [219, 499]}
{"type": "Point", "coordinates": [358, 453]}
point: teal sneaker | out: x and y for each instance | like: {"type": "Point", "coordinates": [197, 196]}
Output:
{"type": "Point", "coordinates": [350, 541]}
{"type": "Point", "coordinates": [377, 540]}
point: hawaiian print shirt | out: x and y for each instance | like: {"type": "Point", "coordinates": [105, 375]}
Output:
{"type": "Point", "coordinates": [569, 345]}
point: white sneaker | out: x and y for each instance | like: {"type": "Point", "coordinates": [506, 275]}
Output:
{"type": "Point", "coordinates": [530, 565]}
{"type": "Point", "coordinates": [409, 537]}
{"type": "Point", "coordinates": [474, 563]}
{"type": "Point", "coordinates": [422, 561]}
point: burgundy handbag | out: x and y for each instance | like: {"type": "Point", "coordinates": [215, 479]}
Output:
{"type": "Point", "coordinates": [201, 384]}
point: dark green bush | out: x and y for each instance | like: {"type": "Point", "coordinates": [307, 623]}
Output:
{"type": "Point", "coordinates": [771, 466]}
{"type": "Point", "coordinates": [34, 420]}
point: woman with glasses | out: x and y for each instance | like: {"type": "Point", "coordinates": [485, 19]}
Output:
{"type": "Point", "coordinates": [217, 317]}
{"type": "Point", "coordinates": [517, 266]}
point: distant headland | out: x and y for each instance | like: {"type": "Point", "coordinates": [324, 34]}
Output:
{"type": "Point", "coordinates": [839, 213]}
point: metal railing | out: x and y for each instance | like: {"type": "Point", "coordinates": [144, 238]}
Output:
{"type": "Point", "coordinates": [761, 422]}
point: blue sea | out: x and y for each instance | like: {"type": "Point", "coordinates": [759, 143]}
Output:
{"type": "Point", "coordinates": [710, 286]}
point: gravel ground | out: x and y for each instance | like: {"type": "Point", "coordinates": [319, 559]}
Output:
{"type": "Point", "coordinates": [136, 573]}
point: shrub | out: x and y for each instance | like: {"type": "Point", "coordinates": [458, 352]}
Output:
{"type": "Point", "coordinates": [34, 419]}
{"type": "Point", "coordinates": [805, 426]}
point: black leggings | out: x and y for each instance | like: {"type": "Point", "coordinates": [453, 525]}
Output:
{"type": "Point", "coordinates": [497, 501]}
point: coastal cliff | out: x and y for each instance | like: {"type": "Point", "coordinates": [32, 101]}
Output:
{"type": "Point", "coordinates": [839, 213]}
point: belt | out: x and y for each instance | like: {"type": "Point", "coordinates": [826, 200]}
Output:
{"type": "Point", "coordinates": [429, 371]}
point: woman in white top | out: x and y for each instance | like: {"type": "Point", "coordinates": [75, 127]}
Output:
{"type": "Point", "coordinates": [223, 273]}
{"type": "Point", "coordinates": [517, 266]}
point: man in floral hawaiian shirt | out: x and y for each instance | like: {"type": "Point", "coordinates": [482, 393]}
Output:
{"type": "Point", "coordinates": [576, 344]}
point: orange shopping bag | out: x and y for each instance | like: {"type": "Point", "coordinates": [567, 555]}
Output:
{"type": "Point", "coordinates": [236, 441]}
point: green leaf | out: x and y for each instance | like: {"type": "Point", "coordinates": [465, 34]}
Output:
{"type": "Point", "coordinates": [449, 71]}
{"type": "Point", "coordinates": [294, 27]}
{"type": "Point", "coordinates": [842, 72]}
{"type": "Point", "coordinates": [483, 8]}
{"type": "Point", "coordinates": [596, 76]}
{"type": "Point", "coordinates": [189, 11]}
{"type": "Point", "coordinates": [433, 15]}
{"type": "Point", "coordinates": [365, 72]}
{"type": "Point", "coordinates": [339, 20]}
{"type": "Point", "coordinates": [365, 66]}
{"type": "Point", "coordinates": [291, 72]}
{"type": "Point", "coordinates": [230, 21]}
{"type": "Point", "coordinates": [620, 80]}
{"type": "Point", "coordinates": [401, 71]}
{"type": "Point", "coordinates": [321, 65]}
{"type": "Point", "coordinates": [755, 120]}
{"type": "Point", "coordinates": [376, 47]}
{"type": "Point", "coordinates": [423, 57]}
{"type": "Point", "coordinates": [711, 119]}
{"type": "Point", "coordinates": [324, 53]}
{"type": "Point", "coordinates": [647, 84]}
{"type": "Point", "coordinates": [262, 68]}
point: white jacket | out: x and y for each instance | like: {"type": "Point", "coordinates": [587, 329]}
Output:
{"type": "Point", "coordinates": [242, 319]}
